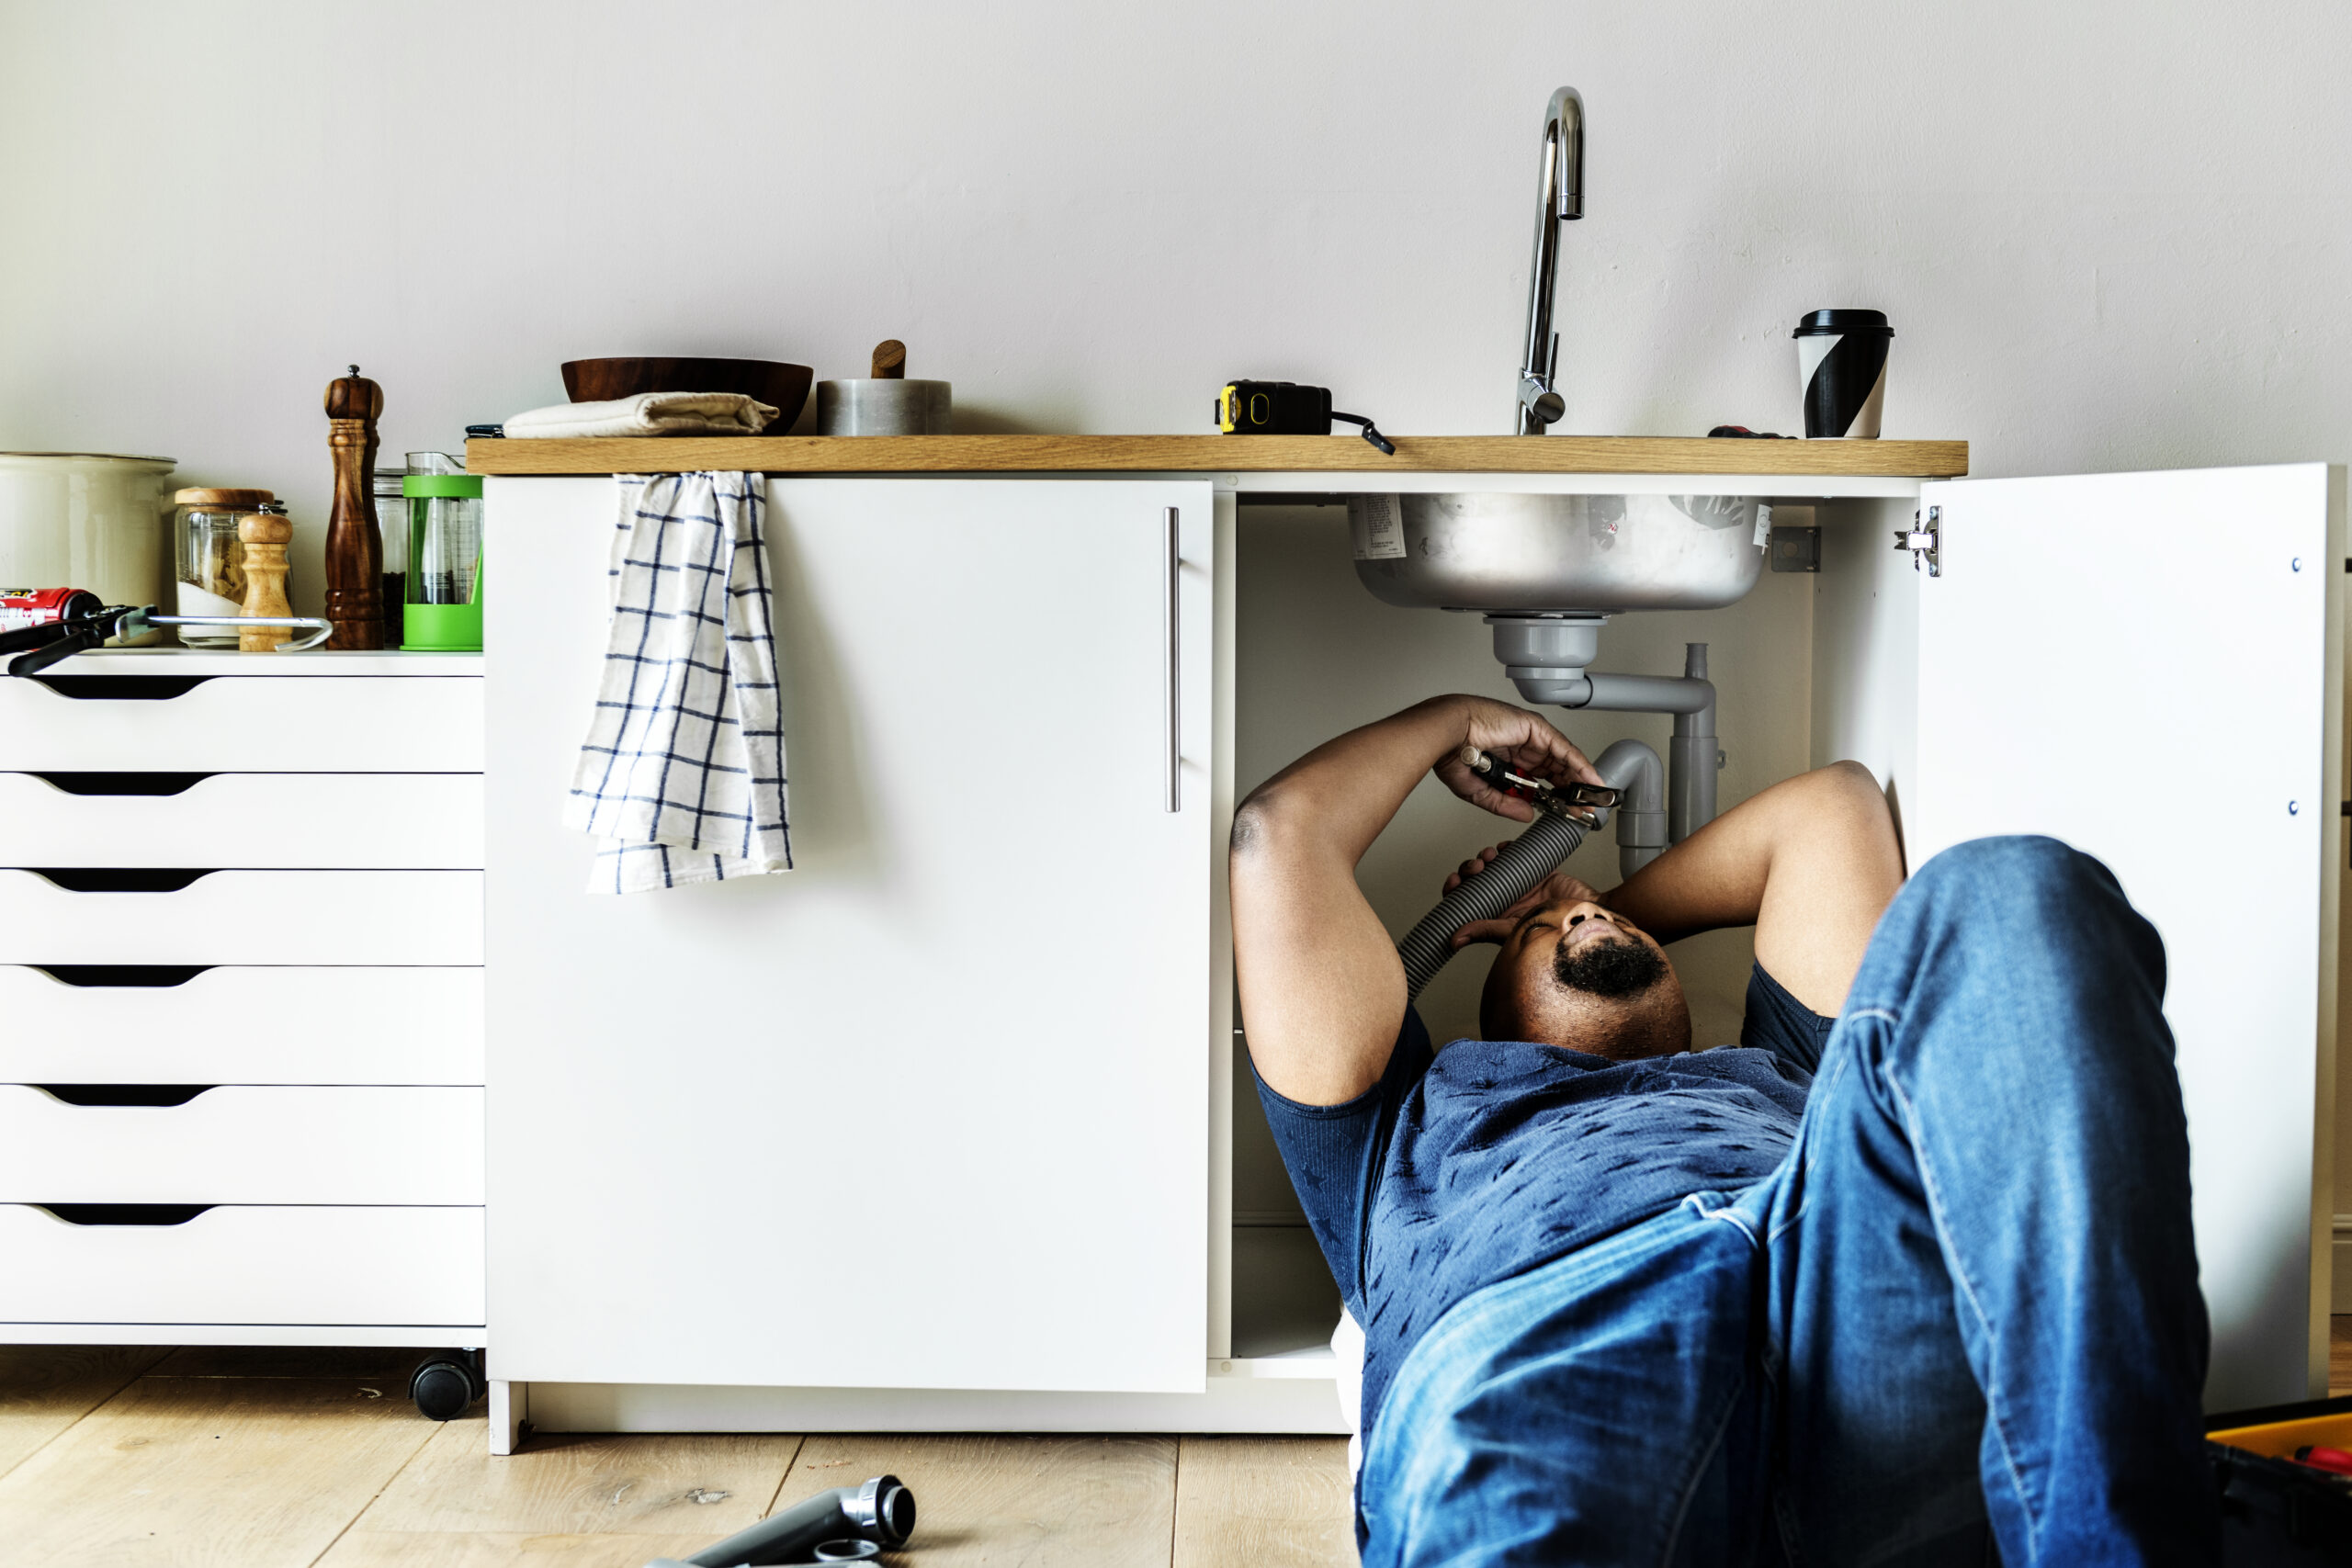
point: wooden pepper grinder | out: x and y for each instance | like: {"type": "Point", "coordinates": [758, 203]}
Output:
{"type": "Point", "coordinates": [265, 534]}
{"type": "Point", "coordinates": [355, 549]}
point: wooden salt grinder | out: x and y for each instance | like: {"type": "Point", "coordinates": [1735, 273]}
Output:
{"type": "Point", "coordinates": [354, 575]}
{"type": "Point", "coordinates": [263, 535]}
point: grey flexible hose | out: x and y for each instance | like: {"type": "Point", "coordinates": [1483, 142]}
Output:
{"type": "Point", "coordinates": [1524, 862]}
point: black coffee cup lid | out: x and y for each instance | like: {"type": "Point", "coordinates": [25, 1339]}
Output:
{"type": "Point", "coordinates": [1865, 323]}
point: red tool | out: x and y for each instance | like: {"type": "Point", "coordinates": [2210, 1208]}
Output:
{"type": "Point", "coordinates": [43, 626]}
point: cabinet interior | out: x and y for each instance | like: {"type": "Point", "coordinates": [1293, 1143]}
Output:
{"type": "Point", "coordinates": [1316, 654]}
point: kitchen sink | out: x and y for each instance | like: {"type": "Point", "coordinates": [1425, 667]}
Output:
{"type": "Point", "coordinates": [1574, 554]}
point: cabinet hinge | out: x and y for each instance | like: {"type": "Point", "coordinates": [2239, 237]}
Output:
{"type": "Point", "coordinates": [1921, 541]}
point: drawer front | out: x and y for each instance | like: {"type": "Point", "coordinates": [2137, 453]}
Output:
{"type": "Point", "coordinates": [359, 724]}
{"type": "Point", "coordinates": [249, 916]}
{"type": "Point", "coordinates": [257, 820]}
{"type": "Point", "coordinates": [246, 1264]}
{"type": "Point", "coordinates": [272, 1025]}
{"type": "Point", "coordinates": [245, 1145]}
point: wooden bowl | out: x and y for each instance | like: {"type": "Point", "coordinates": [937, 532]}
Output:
{"type": "Point", "coordinates": [784, 387]}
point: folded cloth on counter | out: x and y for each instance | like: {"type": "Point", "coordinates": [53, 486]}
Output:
{"type": "Point", "coordinates": [649, 413]}
{"type": "Point", "coordinates": [682, 775]}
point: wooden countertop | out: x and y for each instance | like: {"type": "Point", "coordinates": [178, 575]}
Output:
{"type": "Point", "coordinates": [1230, 454]}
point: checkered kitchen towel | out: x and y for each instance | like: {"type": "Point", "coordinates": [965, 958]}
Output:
{"type": "Point", "coordinates": [682, 775]}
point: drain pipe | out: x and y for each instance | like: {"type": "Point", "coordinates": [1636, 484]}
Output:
{"type": "Point", "coordinates": [1632, 767]}
{"type": "Point", "coordinates": [1547, 658]}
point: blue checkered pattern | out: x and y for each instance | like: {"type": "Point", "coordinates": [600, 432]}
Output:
{"type": "Point", "coordinates": [682, 775]}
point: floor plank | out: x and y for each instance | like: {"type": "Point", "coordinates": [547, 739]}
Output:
{"type": "Point", "coordinates": [44, 1388]}
{"type": "Point", "coordinates": [686, 1490]}
{"type": "Point", "coordinates": [1280, 1502]}
{"type": "Point", "coordinates": [1026, 1502]}
{"type": "Point", "coordinates": [209, 1473]}
{"type": "Point", "coordinates": [506, 1549]}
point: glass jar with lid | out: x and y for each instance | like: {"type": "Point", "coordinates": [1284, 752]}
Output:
{"type": "Point", "coordinates": [392, 525]}
{"type": "Point", "coordinates": [208, 561]}
{"type": "Point", "coordinates": [444, 600]}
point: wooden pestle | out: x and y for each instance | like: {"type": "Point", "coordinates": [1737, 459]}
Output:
{"type": "Point", "coordinates": [263, 535]}
{"type": "Point", "coordinates": [354, 574]}
{"type": "Point", "coordinates": [890, 360]}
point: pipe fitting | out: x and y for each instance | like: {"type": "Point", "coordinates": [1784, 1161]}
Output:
{"type": "Point", "coordinates": [1545, 656]}
{"type": "Point", "coordinates": [1632, 767]}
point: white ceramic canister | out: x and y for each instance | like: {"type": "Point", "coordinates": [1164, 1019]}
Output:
{"type": "Point", "coordinates": [88, 520]}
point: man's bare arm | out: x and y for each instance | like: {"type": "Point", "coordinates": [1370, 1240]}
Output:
{"type": "Point", "coordinates": [1811, 863]}
{"type": "Point", "coordinates": [1322, 990]}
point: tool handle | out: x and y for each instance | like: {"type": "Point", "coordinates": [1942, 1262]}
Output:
{"type": "Point", "coordinates": [72, 641]}
{"type": "Point", "coordinates": [890, 360]}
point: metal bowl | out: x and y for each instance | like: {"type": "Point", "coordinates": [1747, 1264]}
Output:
{"type": "Point", "coordinates": [1577, 554]}
{"type": "Point", "coordinates": [782, 387]}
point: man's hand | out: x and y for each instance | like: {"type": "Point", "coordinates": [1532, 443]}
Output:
{"type": "Point", "coordinates": [1321, 986]}
{"type": "Point", "coordinates": [1560, 884]}
{"type": "Point", "coordinates": [1523, 741]}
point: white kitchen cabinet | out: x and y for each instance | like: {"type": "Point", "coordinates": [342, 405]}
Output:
{"type": "Point", "coordinates": [944, 1130]}
{"type": "Point", "coordinates": [240, 1077]}
{"type": "Point", "coordinates": [932, 1109]}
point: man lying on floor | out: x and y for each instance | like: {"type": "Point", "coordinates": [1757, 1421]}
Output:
{"type": "Point", "coordinates": [1891, 1290]}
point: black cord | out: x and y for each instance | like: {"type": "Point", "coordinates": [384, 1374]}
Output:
{"type": "Point", "coordinates": [1371, 430]}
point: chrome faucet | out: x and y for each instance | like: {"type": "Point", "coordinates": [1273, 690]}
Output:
{"type": "Point", "coordinates": [1540, 402]}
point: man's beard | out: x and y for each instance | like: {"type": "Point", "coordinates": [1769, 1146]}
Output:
{"type": "Point", "coordinates": [1608, 966]}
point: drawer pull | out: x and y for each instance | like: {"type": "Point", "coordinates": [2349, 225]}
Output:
{"type": "Point", "coordinates": [122, 783]}
{"type": "Point", "coordinates": [122, 688]}
{"type": "Point", "coordinates": [110, 879]}
{"type": "Point", "coordinates": [154, 1094]}
{"type": "Point", "coordinates": [123, 1213]}
{"type": "Point", "coordinates": [121, 973]}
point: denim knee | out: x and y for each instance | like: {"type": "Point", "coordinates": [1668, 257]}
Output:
{"type": "Point", "coordinates": [2021, 905]}
{"type": "Point", "coordinates": [2010, 864]}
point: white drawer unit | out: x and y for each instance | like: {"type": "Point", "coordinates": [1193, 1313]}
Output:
{"type": "Point", "coordinates": [241, 1025]}
{"type": "Point", "coordinates": [263, 1267]}
{"type": "Point", "coordinates": [241, 1144]}
{"type": "Point", "coordinates": [61, 721]}
{"type": "Point", "coordinates": [241, 939]}
{"type": "Point", "coordinates": [245, 917]}
{"type": "Point", "coordinates": [253, 821]}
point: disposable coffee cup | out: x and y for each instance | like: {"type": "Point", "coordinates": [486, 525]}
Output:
{"type": "Point", "coordinates": [1841, 370]}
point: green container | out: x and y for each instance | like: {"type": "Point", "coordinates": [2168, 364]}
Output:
{"type": "Point", "coordinates": [441, 610]}
{"type": "Point", "coordinates": [441, 628]}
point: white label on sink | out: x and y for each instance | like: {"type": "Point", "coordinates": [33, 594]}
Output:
{"type": "Point", "coordinates": [1763, 525]}
{"type": "Point", "coordinates": [1378, 524]}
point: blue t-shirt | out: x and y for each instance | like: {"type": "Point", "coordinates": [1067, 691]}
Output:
{"type": "Point", "coordinates": [1491, 1157]}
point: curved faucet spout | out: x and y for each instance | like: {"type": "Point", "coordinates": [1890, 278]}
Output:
{"type": "Point", "coordinates": [1561, 200]}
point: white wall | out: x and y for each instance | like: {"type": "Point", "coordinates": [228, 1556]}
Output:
{"type": "Point", "coordinates": [2109, 235]}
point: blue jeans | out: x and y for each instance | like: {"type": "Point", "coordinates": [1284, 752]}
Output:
{"type": "Point", "coordinates": [1961, 1314]}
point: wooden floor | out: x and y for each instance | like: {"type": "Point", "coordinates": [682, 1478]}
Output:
{"type": "Point", "coordinates": [282, 1459]}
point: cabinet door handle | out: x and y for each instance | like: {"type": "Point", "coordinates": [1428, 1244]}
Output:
{"type": "Point", "coordinates": [1172, 607]}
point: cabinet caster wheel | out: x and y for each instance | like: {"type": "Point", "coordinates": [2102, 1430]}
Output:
{"type": "Point", "coordinates": [445, 1386]}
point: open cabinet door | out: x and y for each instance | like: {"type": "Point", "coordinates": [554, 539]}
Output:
{"type": "Point", "coordinates": [2148, 666]}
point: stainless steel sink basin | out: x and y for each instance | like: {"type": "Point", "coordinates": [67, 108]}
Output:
{"type": "Point", "coordinates": [1588, 554]}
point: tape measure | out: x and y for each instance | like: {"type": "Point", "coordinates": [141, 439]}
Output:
{"type": "Point", "coordinates": [1285, 408]}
